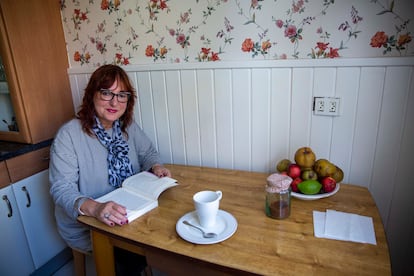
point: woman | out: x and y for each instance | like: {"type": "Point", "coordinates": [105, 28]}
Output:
{"type": "Point", "coordinates": [92, 154]}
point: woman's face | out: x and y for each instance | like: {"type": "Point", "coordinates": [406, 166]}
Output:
{"type": "Point", "coordinates": [109, 111]}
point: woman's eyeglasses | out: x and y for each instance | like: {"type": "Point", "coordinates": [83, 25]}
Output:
{"type": "Point", "coordinates": [108, 95]}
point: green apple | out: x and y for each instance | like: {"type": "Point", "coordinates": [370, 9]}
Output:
{"type": "Point", "coordinates": [309, 175]}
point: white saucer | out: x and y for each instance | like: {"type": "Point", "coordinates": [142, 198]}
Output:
{"type": "Point", "coordinates": [226, 226]}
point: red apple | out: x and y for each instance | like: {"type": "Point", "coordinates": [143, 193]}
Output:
{"type": "Point", "coordinates": [294, 171]}
{"type": "Point", "coordinates": [294, 184]}
{"type": "Point", "coordinates": [328, 184]}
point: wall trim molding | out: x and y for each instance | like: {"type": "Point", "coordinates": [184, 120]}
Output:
{"type": "Point", "coordinates": [296, 63]}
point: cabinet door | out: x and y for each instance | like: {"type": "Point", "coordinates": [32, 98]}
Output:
{"type": "Point", "coordinates": [15, 257]}
{"type": "Point", "coordinates": [37, 212]}
{"type": "Point", "coordinates": [33, 49]}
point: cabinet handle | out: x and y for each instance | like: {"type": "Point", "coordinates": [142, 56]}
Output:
{"type": "Point", "coordinates": [29, 201]}
{"type": "Point", "coordinates": [8, 206]}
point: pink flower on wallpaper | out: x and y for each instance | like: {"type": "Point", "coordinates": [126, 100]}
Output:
{"type": "Point", "coordinates": [227, 24]}
{"type": "Point", "coordinates": [247, 45]}
{"type": "Point", "coordinates": [298, 7]}
{"type": "Point", "coordinates": [100, 46]}
{"type": "Point", "coordinates": [254, 3]}
{"type": "Point", "coordinates": [185, 17]}
{"type": "Point", "coordinates": [355, 17]}
{"type": "Point", "coordinates": [379, 39]}
{"type": "Point", "coordinates": [290, 31]}
{"type": "Point", "coordinates": [182, 40]}
{"type": "Point", "coordinates": [279, 23]}
{"type": "Point", "coordinates": [172, 32]}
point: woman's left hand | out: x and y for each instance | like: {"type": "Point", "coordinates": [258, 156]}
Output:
{"type": "Point", "coordinates": [160, 171]}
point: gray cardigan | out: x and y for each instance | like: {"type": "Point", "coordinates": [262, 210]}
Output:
{"type": "Point", "coordinates": [79, 170]}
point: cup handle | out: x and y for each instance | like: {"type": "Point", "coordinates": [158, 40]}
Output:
{"type": "Point", "coordinates": [219, 194]}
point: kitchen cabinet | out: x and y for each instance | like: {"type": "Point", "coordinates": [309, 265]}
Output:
{"type": "Point", "coordinates": [32, 227]}
{"type": "Point", "coordinates": [33, 51]}
{"type": "Point", "coordinates": [15, 256]}
{"type": "Point", "coordinates": [4, 175]}
{"type": "Point", "coordinates": [37, 213]}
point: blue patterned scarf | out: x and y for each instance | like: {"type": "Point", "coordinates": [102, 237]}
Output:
{"type": "Point", "coordinates": [119, 166]}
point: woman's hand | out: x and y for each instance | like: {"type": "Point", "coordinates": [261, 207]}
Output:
{"type": "Point", "coordinates": [160, 171]}
{"type": "Point", "coordinates": [109, 212]}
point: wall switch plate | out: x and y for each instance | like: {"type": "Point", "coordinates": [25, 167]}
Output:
{"type": "Point", "coordinates": [326, 106]}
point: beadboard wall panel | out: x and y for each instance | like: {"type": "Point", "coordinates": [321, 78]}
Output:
{"type": "Point", "coordinates": [248, 116]}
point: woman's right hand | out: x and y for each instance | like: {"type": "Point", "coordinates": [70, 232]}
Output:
{"type": "Point", "coordinates": [109, 212]}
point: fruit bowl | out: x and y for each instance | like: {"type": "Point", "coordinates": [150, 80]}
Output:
{"type": "Point", "coordinates": [317, 196]}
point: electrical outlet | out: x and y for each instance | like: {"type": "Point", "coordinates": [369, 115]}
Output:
{"type": "Point", "coordinates": [319, 104]}
{"type": "Point", "coordinates": [326, 106]}
{"type": "Point", "coordinates": [333, 105]}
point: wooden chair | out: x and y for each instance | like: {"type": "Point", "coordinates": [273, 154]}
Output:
{"type": "Point", "coordinates": [79, 262]}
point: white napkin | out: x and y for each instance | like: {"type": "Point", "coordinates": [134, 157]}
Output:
{"type": "Point", "coordinates": [343, 226]}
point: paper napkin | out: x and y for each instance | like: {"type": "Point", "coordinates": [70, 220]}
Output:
{"type": "Point", "coordinates": [343, 226]}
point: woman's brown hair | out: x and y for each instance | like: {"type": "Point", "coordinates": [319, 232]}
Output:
{"type": "Point", "coordinates": [103, 78]}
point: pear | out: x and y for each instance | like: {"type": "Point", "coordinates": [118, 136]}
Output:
{"type": "Point", "coordinates": [305, 157]}
{"type": "Point", "coordinates": [324, 168]}
{"type": "Point", "coordinates": [338, 175]}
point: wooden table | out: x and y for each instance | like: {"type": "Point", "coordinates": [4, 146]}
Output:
{"type": "Point", "coordinates": [261, 245]}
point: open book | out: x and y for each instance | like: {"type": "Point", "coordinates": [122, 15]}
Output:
{"type": "Point", "coordinates": [139, 193]}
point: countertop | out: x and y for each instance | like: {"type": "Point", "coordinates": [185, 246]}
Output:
{"type": "Point", "coordinates": [10, 149]}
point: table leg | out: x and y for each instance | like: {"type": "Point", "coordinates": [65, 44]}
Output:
{"type": "Point", "coordinates": [103, 253]}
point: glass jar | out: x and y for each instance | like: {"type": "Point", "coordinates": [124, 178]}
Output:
{"type": "Point", "coordinates": [278, 204]}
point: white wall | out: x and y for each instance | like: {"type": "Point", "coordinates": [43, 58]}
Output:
{"type": "Point", "coordinates": [248, 116]}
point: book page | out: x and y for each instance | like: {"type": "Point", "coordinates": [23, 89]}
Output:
{"type": "Point", "coordinates": [131, 201]}
{"type": "Point", "coordinates": [148, 184]}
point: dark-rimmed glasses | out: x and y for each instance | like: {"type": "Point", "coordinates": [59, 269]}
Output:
{"type": "Point", "coordinates": [108, 95]}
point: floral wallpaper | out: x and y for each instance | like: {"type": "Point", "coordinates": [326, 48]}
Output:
{"type": "Point", "coordinates": [175, 31]}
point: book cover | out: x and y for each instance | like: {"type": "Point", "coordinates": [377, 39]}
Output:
{"type": "Point", "coordinates": [139, 193]}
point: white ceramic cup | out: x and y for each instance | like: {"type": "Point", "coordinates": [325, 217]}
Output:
{"type": "Point", "coordinates": [207, 205]}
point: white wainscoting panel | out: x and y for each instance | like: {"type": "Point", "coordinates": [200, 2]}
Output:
{"type": "Point", "coordinates": [248, 116]}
